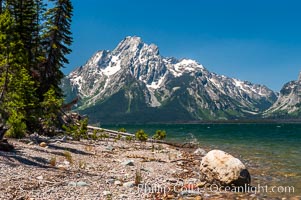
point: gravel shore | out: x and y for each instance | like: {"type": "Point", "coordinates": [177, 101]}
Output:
{"type": "Point", "coordinates": [106, 169]}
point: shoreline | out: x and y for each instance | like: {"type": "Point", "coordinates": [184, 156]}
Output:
{"type": "Point", "coordinates": [289, 121]}
{"type": "Point", "coordinates": [103, 169]}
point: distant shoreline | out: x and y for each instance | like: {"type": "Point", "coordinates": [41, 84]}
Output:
{"type": "Point", "coordinates": [261, 121]}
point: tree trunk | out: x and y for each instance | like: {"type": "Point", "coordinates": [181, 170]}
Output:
{"type": "Point", "coordinates": [0, 6]}
{"type": "Point", "coordinates": [4, 145]}
{"type": "Point", "coordinates": [2, 132]}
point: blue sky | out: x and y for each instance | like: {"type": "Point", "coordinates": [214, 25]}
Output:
{"type": "Point", "coordinates": [254, 40]}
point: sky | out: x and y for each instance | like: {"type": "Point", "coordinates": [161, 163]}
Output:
{"type": "Point", "coordinates": [254, 40]}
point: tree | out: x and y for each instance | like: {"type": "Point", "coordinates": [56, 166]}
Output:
{"type": "Point", "coordinates": [18, 95]}
{"type": "Point", "coordinates": [27, 15]}
{"type": "Point", "coordinates": [31, 57]}
{"type": "Point", "coordinates": [56, 41]}
{"type": "Point", "coordinates": [51, 110]}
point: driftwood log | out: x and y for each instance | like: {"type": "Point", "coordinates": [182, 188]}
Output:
{"type": "Point", "coordinates": [4, 145]}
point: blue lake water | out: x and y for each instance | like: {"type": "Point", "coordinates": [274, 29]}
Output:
{"type": "Point", "coordinates": [272, 152]}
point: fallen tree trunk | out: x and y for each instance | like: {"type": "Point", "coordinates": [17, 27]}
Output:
{"type": "Point", "coordinates": [111, 132]}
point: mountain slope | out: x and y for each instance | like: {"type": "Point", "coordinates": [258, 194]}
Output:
{"type": "Point", "coordinates": [289, 101]}
{"type": "Point", "coordinates": [134, 83]}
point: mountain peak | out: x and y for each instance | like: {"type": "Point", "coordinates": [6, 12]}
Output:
{"type": "Point", "coordinates": [130, 43]}
{"type": "Point", "coordinates": [299, 78]}
{"type": "Point", "coordinates": [135, 78]}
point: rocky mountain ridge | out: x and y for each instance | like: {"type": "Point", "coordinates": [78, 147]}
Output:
{"type": "Point", "coordinates": [134, 83]}
{"type": "Point", "coordinates": [288, 102]}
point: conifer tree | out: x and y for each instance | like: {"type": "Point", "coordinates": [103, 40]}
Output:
{"type": "Point", "coordinates": [31, 57]}
{"type": "Point", "coordinates": [56, 41]}
{"type": "Point", "coordinates": [18, 95]}
{"type": "Point", "coordinates": [26, 16]}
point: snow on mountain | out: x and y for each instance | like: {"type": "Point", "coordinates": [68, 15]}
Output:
{"type": "Point", "coordinates": [147, 79]}
{"type": "Point", "coordinates": [289, 101]}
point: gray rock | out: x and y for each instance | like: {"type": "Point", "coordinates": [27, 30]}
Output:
{"type": "Point", "coordinates": [172, 180]}
{"type": "Point", "coordinates": [72, 183]}
{"type": "Point", "coordinates": [192, 180]}
{"type": "Point", "coordinates": [81, 184]}
{"type": "Point", "coordinates": [64, 139]}
{"type": "Point", "coordinates": [128, 163]}
{"type": "Point", "coordinates": [200, 152]}
{"type": "Point", "coordinates": [129, 184]}
{"type": "Point", "coordinates": [123, 196]}
{"type": "Point", "coordinates": [118, 183]}
{"type": "Point", "coordinates": [190, 193]}
{"type": "Point", "coordinates": [109, 148]}
{"type": "Point", "coordinates": [110, 181]}
{"type": "Point", "coordinates": [106, 193]}
{"type": "Point", "coordinates": [224, 169]}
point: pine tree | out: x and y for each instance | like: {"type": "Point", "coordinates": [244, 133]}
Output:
{"type": "Point", "coordinates": [56, 41]}
{"type": "Point", "coordinates": [31, 57]}
{"type": "Point", "coordinates": [18, 96]}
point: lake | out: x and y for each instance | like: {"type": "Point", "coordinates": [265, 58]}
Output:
{"type": "Point", "coordinates": [272, 152]}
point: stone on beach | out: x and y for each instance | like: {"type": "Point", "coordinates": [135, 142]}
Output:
{"type": "Point", "coordinates": [224, 169]}
{"type": "Point", "coordinates": [43, 144]}
{"type": "Point", "coordinates": [128, 163]}
{"type": "Point", "coordinates": [200, 152]}
{"type": "Point", "coordinates": [129, 184]}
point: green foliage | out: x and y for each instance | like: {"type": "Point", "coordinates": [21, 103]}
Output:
{"type": "Point", "coordinates": [31, 58]}
{"type": "Point", "coordinates": [159, 135]}
{"type": "Point", "coordinates": [51, 110]}
{"type": "Point", "coordinates": [56, 40]}
{"type": "Point", "coordinates": [94, 135]}
{"type": "Point", "coordinates": [68, 156]}
{"type": "Point", "coordinates": [141, 135]}
{"type": "Point", "coordinates": [118, 137]}
{"type": "Point", "coordinates": [105, 135]}
{"type": "Point", "coordinates": [52, 161]}
{"type": "Point", "coordinates": [17, 125]}
{"type": "Point", "coordinates": [123, 130]}
{"type": "Point", "coordinates": [77, 131]}
{"type": "Point", "coordinates": [18, 97]}
{"type": "Point", "coordinates": [128, 138]}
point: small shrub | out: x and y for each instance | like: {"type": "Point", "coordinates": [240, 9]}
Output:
{"type": "Point", "coordinates": [17, 125]}
{"type": "Point", "coordinates": [68, 156]}
{"type": "Point", "coordinates": [105, 135]}
{"type": "Point", "coordinates": [82, 164]}
{"type": "Point", "coordinates": [141, 135]}
{"type": "Point", "coordinates": [159, 135]}
{"type": "Point", "coordinates": [77, 131]}
{"type": "Point", "coordinates": [89, 148]}
{"type": "Point", "coordinates": [118, 137]}
{"type": "Point", "coordinates": [153, 148]}
{"type": "Point", "coordinates": [138, 177]}
{"type": "Point", "coordinates": [123, 130]}
{"type": "Point", "coordinates": [52, 161]}
{"type": "Point", "coordinates": [94, 135]}
{"type": "Point", "coordinates": [129, 138]}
